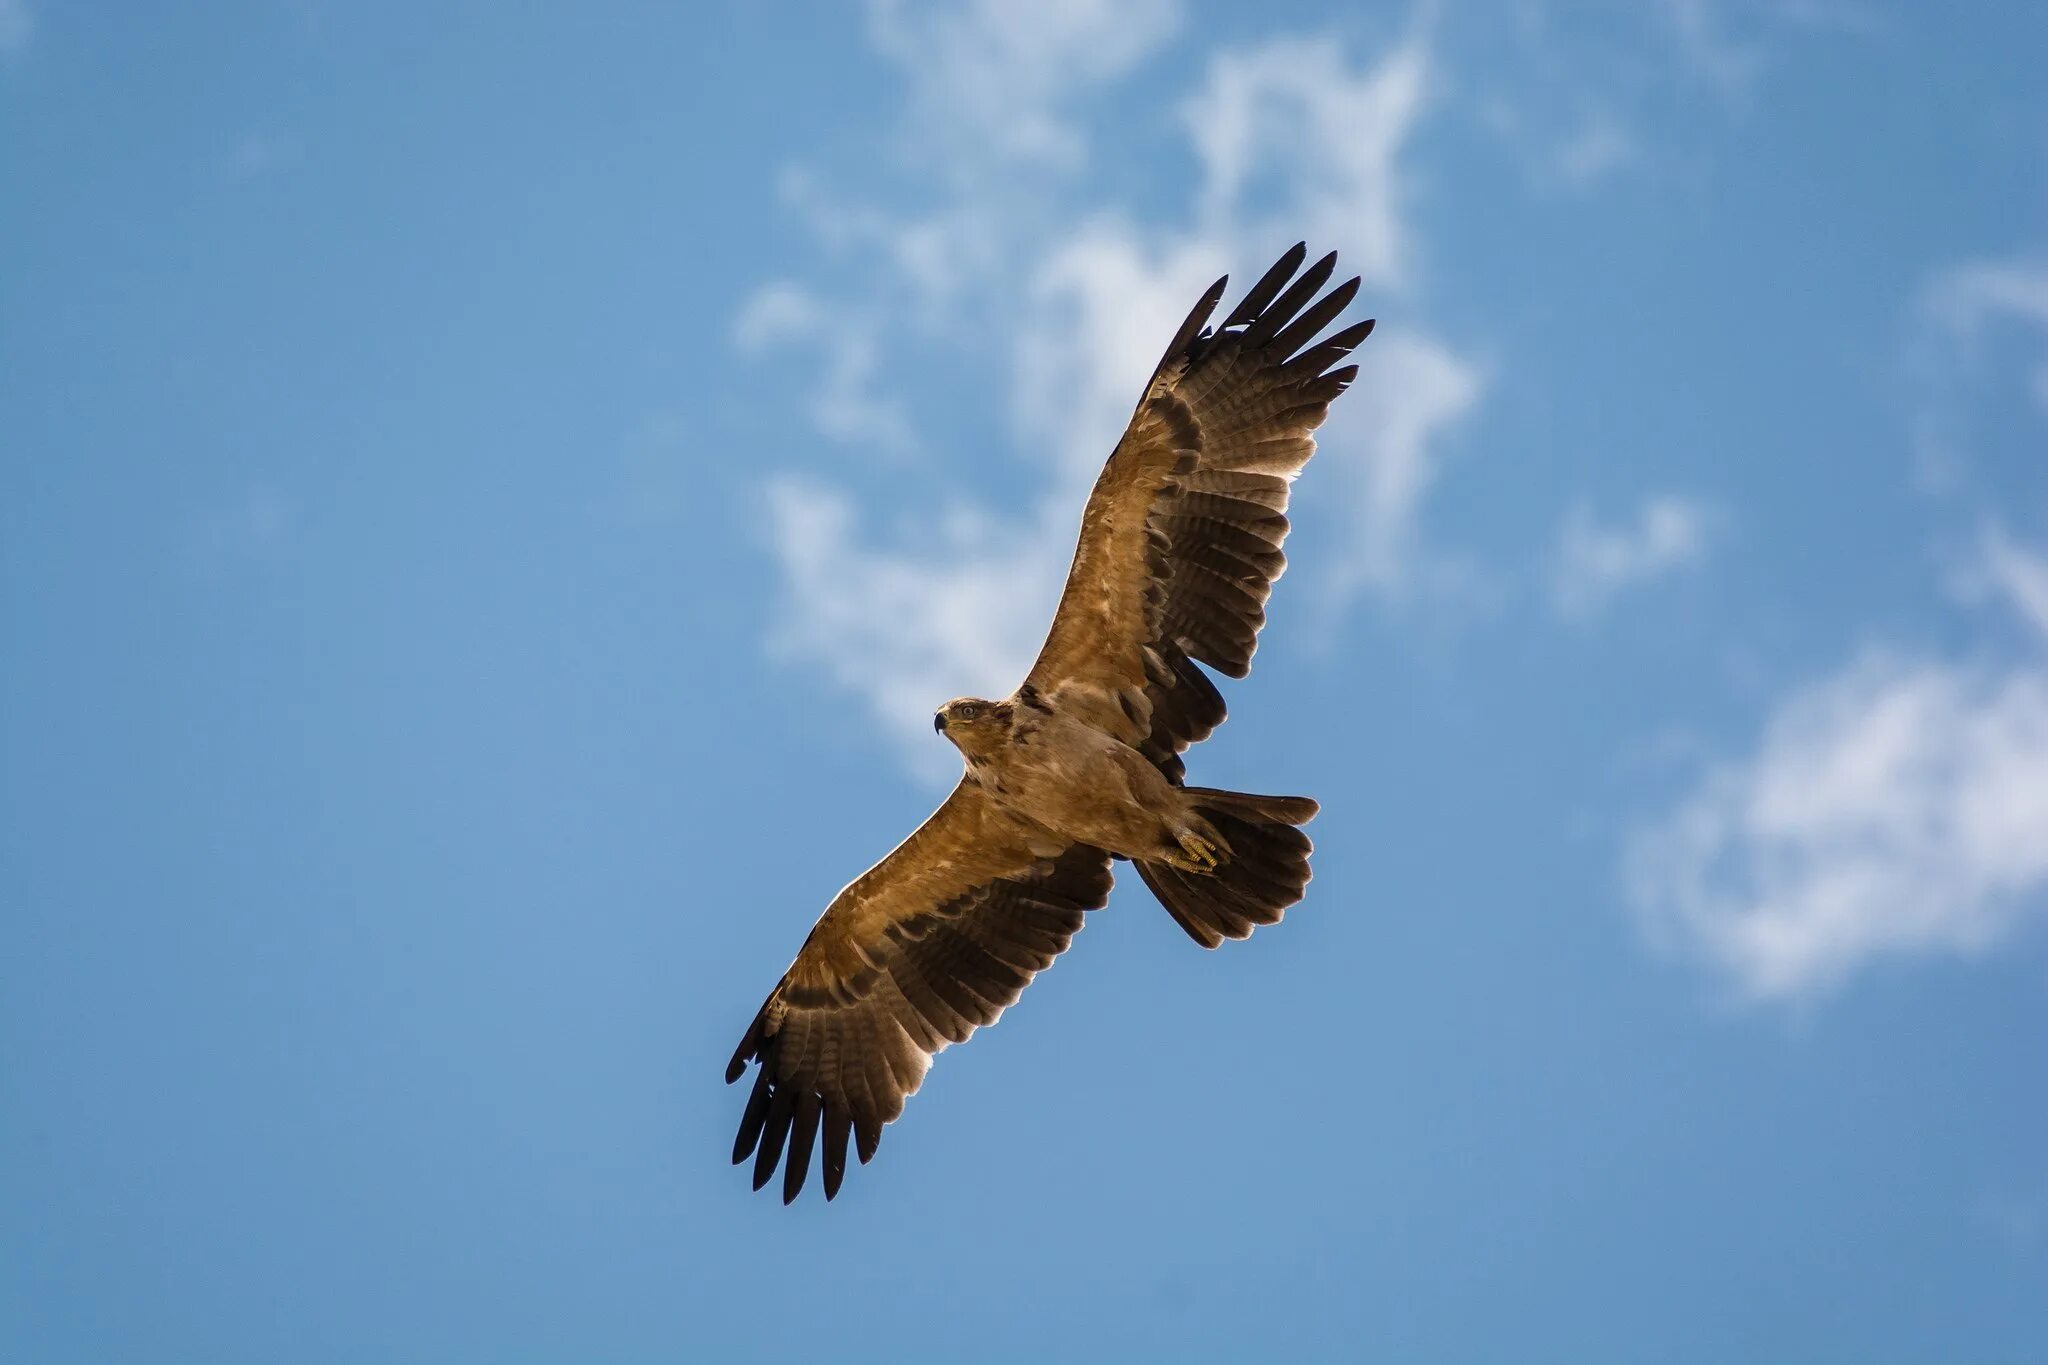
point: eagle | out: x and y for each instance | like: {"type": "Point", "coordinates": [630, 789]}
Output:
{"type": "Point", "coordinates": [1082, 765]}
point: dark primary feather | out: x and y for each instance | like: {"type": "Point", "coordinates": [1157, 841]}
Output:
{"type": "Point", "coordinates": [1260, 329]}
{"type": "Point", "coordinates": [1259, 295]}
{"type": "Point", "coordinates": [1257, 390]}
{"type": "Point", "coordinates": [842, 1061]}
{"type": "Point", "coordinates": [1192, 327]}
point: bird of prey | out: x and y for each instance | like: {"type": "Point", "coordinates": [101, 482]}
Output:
{"type": "Point", "coordinates": [1179, 548]}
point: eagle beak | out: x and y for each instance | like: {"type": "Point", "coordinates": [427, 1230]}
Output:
{"type": "Point", "coordinates": [939, 723]}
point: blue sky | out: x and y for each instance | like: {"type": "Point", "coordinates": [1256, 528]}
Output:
{"type": "Point", "coordinates": [489, 499]}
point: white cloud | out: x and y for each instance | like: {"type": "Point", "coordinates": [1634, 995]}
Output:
{"type": "Point", "coordinates": [1975, 317]}
{"type": "Point", "coordinates": [1731, 65]}
{"type": "Point", "coordinates": [1412, 391]}
{"type": "Point", "coordinates": [1971, 299]}
{"type": "Point", "coordinates": [17, 25]}
{"type": "Point", "coordinates": [1571, 151]}
{"type": "Point", "coordinates": [1594, 562]}
{"type": "Point", "coordinates": [963, 616]}
{"type": "Point", "coordinates": [1896, 809]}
{"type": "Point", "coordinates": [259, 154]}
{"type": "Point", "coordinates": [1600, 146]}
{"type": "Point", "coordinates": [936, 257]}
{"type": "Point", "coordinates": [843, 403]}
{"type": "Point", "coordinates": [992, 82]}
{"type": "Point", "coordinates": [1582, 96]}
{"type": "Point", "coordinates": [1327, 139]}
{"type": "Point", "coordinates": [251, 526]}
{"type": "Point", "coordinates": [1726, 40]}
{"type": "Point", "coordinates": [1969, 294]}
{"type": "Point", "coordinates": [2019, 575]}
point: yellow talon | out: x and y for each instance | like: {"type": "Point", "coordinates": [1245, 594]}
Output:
{"type": "Point", "coordinates": [1202, 856]}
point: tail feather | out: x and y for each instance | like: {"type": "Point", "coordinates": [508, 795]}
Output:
{"type": "Point", "coordinates": [1285, 810]}
{"type": "Point", "coordinates": [1265, 872]}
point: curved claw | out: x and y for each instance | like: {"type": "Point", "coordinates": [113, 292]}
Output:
{"type": "Point", "coordinates": [1201, 854]}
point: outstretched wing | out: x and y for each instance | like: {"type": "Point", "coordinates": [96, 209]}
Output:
{"type": "Point", "coordinates": [1180, 541]}
{"type": "Point", "coordinates": [929, 944]}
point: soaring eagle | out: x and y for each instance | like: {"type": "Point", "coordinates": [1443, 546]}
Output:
{"type": "Point", "coordinates": [1180, 545]}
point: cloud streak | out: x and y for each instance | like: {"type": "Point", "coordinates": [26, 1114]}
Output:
{"type": "Point", "coordinates": [1972, 299]}
{"type": "Point", "coordinates": [1595, 563]}
{"type": "Point", "coordinates": [17, 25]}
{"type": "Point", "coordinates": [844, 404]}
{"type": "Point", "coordinates": [1895, 809]}
{"type": "Point", "coordinates": [992, 82]}
{"type": "Point", "coordinates": [908, 630]}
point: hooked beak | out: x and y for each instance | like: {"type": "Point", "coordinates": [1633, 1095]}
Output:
{"type": "Point", "coordinates": [939, 723]}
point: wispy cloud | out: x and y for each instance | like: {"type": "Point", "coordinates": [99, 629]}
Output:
{"type": "Point", "coordinates": [1594, 562]}
{"type": "Point", "coordinates": [1415, 392]}
{"type": "Point", "coordinates": [1969, 294]}
{"type": "Point", "coordinates": [1726, 61]}
{"type": "Point", "coordinates": [844, 403]}
{"type": "Point", "coordinates": [1592, 92]}
{"type": "Point", "coordinates": [1295, 111]}
{"type": "Point", "coordinates": [1597, 148]}
{"type": "Point", "coordinates": [259, 154]}
{"type": "Point", "coordinates": [1975, 298]}
{"type": "Point", "coordinates": [1727, 41]}
{"type": "Point", "coordinates": [1979, 324]}
{"type": "Point", "coordinates": [2021, 577]}
{"type": "Point", "coordinates": [1895, 809]}
{"type": "Point", "coordinates": [906, 629]}
{"type": "Point", "coordinates": [1571, 152]}
{"type": "Point", "coordinates": [249, 527]}
{"type": "Point", "coordinates": [993, 83]}
{"type": "Point", "coordinates": [17, 25]}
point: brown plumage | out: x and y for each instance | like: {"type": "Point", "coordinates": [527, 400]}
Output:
{"type": "Point", "coordinates": [1180, 545]}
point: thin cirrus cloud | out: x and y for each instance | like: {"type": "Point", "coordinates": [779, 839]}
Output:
{"type": "Point", "coordinates": [906, 628]}
{"type": "Point", "coordinates": [1087, 311]}
{"type": "Point", "coordinates": [1577, 109]}
{"type": "Point", "coordinates": [1595, 562]}
{"type": "Point", "coordinates": [17, 25]}
{"type": "Point", "coordinates": [1971, 299]}
{"type": "Point", "coordinates": [990, 83]}
{"type": "Point", "coordinates": [845, 404]}
{"type": "Point", "coordinates": [1895, 809]}
{"type": "Point", "coordinates": [1727, 42]}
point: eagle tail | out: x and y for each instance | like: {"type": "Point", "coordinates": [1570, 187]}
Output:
{"type": "Point", "coordinates": [1264, 872]}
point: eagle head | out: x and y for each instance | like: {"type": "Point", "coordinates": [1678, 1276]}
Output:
{"type": "Point", "coordinates": [976, 727]}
